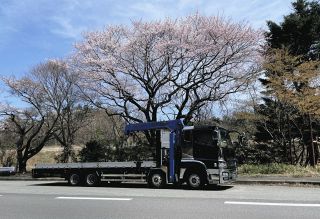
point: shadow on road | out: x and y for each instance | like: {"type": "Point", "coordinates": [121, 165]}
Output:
{"type": "Point", "coordinates": [217, 188]}
{"type": "Point", "coordinates": [136, 185]}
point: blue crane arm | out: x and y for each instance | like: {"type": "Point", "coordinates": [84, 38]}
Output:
{"type": "Point", "coordinates": [172, 125]}
{"type": "Point", "coordinates": [175, 127]}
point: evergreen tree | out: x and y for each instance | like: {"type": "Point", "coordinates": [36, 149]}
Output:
{"type": "Point", "coordinates": [291, 92]}
{"type": "Point", "coordinates": [94, 151]}
{"type": "Point", "coordinates": [299, 31]}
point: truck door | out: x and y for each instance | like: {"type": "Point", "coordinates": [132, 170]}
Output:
{"type": "Point", "coordinates": [205, 145]}
{"type": "Point", "coordinates": [187, 144]}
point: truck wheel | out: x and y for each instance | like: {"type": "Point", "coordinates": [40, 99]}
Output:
{"type": "Point", "coordinates": [74, 179]}
{"type": "Point", "coordinates": [92, 179]}
{"type": "Point", "coordinates": [195, 181]}
{"type": "Point", "coordinates": [156, 180]}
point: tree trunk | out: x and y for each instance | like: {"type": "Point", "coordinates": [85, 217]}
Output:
{"type": "Point", "coordinates": [290, 140]}
{"type": "Point", "coordinates": [312, 157]}
{"type": "Point", "coordinates": [21, 163]}
{"type": "Point", "coordinates": [67, 154]}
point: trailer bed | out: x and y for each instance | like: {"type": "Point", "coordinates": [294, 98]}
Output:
{"type": "Point", "coordinates": [62, 169]}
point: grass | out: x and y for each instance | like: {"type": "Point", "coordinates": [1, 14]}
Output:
{"type": "Point", "coordinates": [279, 169]}
{"type": "Point", "coordinates": [47, 155]}
{"type": "Point", "coordinates": [42, 157]}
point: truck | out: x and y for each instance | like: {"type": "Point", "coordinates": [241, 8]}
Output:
{"type": "Point", "coordinates": [195, 155]}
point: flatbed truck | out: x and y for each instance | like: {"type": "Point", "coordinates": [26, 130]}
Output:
{"type": "Point", "coordinates": [196, 155]}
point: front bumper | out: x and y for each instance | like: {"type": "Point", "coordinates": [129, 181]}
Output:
{"type": "Point", "coordinates": [228, 176]}
{"type": "Point", "coordinates": [221, 176]}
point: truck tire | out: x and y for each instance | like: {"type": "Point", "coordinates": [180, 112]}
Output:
{"type": "Point", "coordinates": [156, 180]}
{"type": "Point", "coordinates": [74, 179]}
{"type": "Point", "coordinates": [92, 179]}
{"type": "Point", "coordinates": [195, 181]}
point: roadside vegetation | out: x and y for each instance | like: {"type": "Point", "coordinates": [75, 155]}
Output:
{"type": "Point", "coordinates": [275, 169]}
{"type": "Point", "coordinates": [43, 156]}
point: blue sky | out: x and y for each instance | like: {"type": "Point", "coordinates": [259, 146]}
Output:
{"type": "Point", "coordinates": [32, 31]}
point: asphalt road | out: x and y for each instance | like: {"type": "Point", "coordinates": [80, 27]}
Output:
{"type": "Point", "coordinates": [34, 199]}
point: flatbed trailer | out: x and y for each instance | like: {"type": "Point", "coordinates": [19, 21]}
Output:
{"type": "Point", "coordinates": [194, 156]}
{"type": "Point", "coordinates": [106, 171]}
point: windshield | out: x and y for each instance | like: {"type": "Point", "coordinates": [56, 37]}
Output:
{"type": "Point", "coordinates": [205, 144]}
{"type": "Point", "coordinates": [187, 146]}
{"type": "Point", "coordinates": [225, 140]}
{"type": "Point", "coordinates": [227, 148]}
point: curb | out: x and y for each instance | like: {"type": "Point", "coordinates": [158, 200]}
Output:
{"type": "Point", "coordinates": [277, 182]}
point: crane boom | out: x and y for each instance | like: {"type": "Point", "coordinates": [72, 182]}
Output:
{"type": "Point", "coordinates": [175, 127]}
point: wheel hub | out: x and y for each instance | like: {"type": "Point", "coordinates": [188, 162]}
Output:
{"type": "Point", "coordinates": [91, 179]}
{"type": "Point", "coordinates": [74, 179]}
{"type": "Point", "coordinates": [194, 180]}
{"type": "Point", "coordinates": [156, 180]}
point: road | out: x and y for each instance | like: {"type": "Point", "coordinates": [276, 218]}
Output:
{"type": "Point", "coordinates": [43, 199]}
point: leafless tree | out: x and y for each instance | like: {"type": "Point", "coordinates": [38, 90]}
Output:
{"type": "Point", "coordinates": [31, 130]}
{"type": "Point", "coordinates": [7, 145]}
{"type": "Point", "coordinates": [48, 92]}
{"type": "Point", "coordinates": [73, 114]}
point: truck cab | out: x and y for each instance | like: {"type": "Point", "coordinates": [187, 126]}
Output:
{"type": "Point", "coordinates": [207, 156]}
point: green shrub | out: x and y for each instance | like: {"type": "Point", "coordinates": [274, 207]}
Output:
{"type": "Point", "coordinates": [278, 169]}
{"type": "Point", "coordinates": [94, 151]}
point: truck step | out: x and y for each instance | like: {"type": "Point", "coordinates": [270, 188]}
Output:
{"type": "Point", "coordinates": [127, 175]}
{"type": "Point", "coordinates": [123, 177]}
{"type": "Point", "coordinates": [123, 180]}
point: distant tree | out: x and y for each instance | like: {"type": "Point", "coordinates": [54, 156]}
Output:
{"type": "Point", "coordinates": [72, 119]}
{"type": "Point", "coordinates": [46, 96]}
{"type": "Point", "coordinates": [72, 113]}
{"type": "Point", "coordinates": [32, 131]}
{"type": "Point", "coordinates": [100, 127]}
{"type": "Point", "coordinates": [241, 124]}
{"type": "Point", "coordinates": [281, 131]}
{"type": "Point", "coordinates": [7, 145]}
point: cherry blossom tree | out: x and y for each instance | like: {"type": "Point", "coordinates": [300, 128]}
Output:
{"type": "Point", "coordinates": [152, 70]}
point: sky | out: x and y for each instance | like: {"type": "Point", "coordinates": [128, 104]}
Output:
{"type": "Point", "coordinates": [33, 31]}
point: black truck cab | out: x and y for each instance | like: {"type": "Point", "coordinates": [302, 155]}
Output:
{"type": "Point", "coordinates": [207, 150]}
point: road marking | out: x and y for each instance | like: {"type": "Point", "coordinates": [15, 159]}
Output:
{"type": "Point", "coordinates": [95, 198]}
{"type": "Point", "coordinates": [272, 204]}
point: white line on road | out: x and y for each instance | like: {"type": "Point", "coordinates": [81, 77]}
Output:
{"type": "Point", "coordinates": [95, 198]}
{"type": "Point", "coordinates": [272, 204]}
